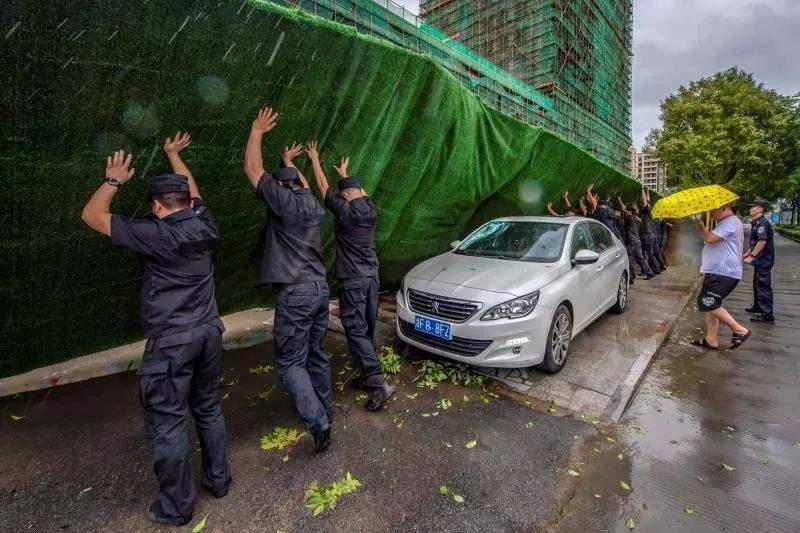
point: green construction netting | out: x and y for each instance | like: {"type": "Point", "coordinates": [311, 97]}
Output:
{"type": "Point", "coordinates": [83, 78]}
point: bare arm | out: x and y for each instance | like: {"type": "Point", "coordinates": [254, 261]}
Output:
{"type": "Point", "coordinates": [319, 176]}
{"type": "Point", "coordinates": [582, 206]}
{"type": "Point", "coordinates": [566, 200]}
{"type": "Point", "coordinates": [591, 197]}
{"type": "Point", "coordinates": [172, 148]}
{"type": "Point", "coordinates": [621, 204]}
{"type": "Point", "coordinates": [644, 197]}
{"type": "Point", "coordinates": [288, 155]}
{"type": "Point", "coordinates": [708, 236]}
{"type": "Point", "coordinates": [551, 210]}
{"type": "Point", "coordinates": [96, 214]}
{"type": "Point", "coordinates": [253, 163]}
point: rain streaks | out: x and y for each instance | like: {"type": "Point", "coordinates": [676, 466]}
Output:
{"type": "Point", "coordinates": [185, 22]}
{"type": "Point", "coordinates": [13, 29]}
{"type": "Point", "coordinates": [277, 47]}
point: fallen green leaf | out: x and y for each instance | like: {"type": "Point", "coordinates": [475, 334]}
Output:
{"type": "Point", "coordinates": [317, 498]}
{"type": "Point", "coordinates": [458, 499]}
{"type": "Point", "coordinates": [620, 456]}
{"type": "Point", "coordinates": [764, 462]}
{"type": "Point", "coordinates": [530, 425]}
{"type": "Point", "coordinates": [285, 459]}
{"type": "Point", "coordinates": [624, 485]}
{"type": "Point", "coordinates": [280, 438]}
{"type": "Point", "coordinates": [444, 490]}
{"type": "Point", "coordinates": [688, 509]}
{"type": "Point", "coordinates": [630, 523]}
{"type": "Point", "coordinates": [471, 444]}
{"type": "Point", "coordinates": [412, 396]}
{"type": "Point", "coordinates": [448, 444]}
{"type": "Point", "coordinates": [573, 473]}
{"type": "Point", "coordinates": [598, 495]}
{"type": "Point", "coordinates": [16, 418]}
{"type": "Point", "coordinates": [198, 527]}
{"type": "Point", "coordinates": [728, 467]}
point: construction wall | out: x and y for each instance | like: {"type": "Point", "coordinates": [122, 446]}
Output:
{"type": "Point", "coordinates": [83, 79]}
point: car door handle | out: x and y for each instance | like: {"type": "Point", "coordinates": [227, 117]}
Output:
{"type": "Point", "coordinates": [618, 255]}
{"type": "Point", "coordinates": [601, 267]}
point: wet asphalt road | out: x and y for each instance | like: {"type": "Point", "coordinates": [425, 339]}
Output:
{"type": "Point", "coordinates": [78, 461]}
{"type": "Point", "coordinates": [697, 410]}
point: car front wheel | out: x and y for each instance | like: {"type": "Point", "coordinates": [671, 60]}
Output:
{"type": "Point", "coordinates": [558, 340]}
{"type": "Point", "coordinates": [622, 296]}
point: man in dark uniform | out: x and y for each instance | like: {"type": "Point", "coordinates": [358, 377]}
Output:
{"type": "Point", "coordinates": [664, 226]}
{"type": "Point", "coordinates": [357, 271]}
{"type": "Point", "coordinates": [182, 362]}
{"type": "Point", "coordinates": [633, 244]}
{"type": "Point", "coordinates": [646, 234]}
{"type": "Point", "coordinates": [602, 212]}
{"type": "Point", "coordinates": [761, 255]}
{"type": "Point", "coordinates": [293, 264]}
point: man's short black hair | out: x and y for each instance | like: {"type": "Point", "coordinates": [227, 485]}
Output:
{"type": "Point", "coordinates": [173, 200]}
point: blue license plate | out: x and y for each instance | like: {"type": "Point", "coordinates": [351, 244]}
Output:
{"type": "Point", "coordinates": [435, 328]}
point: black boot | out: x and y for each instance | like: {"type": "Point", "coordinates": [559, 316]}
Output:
{"type": "Point", "coordinates": [763, 319]}
{"type": "Point", "coordinates": [322, 439]}
{"type": "Point", "coordinates": [753, 310]}
{"type": "Point", "coordinates": [379, 396]}
{"type": "Point", "coordinates": [156, 514]}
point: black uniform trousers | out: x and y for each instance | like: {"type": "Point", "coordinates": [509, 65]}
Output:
{"type": "Point", "coordinates": [635, 254]}
{"type": "Point", "coordinates": [762, 290]}
{"type": "Point", "coordinates": [181, 372]}
{"type": "Point", "coordinates": [301, 322]}
{"type": "Point", "coordinates": [648, 247]}
{"type": "Point", "coordinates": [358, 301]}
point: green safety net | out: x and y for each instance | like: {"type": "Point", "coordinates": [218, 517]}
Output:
{"type": "Point", "coordinates": [84, 78]}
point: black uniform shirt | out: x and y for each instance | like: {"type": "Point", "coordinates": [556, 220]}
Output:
{"type": "Point", "coordinates": [632, 226]}
{"type": "Point", "coordinates": [761, 230]}
{"type": "Point", "coordinates": [603, 213]}
{"type": "Point", "coordinates": [177, 292]}
{"type": "Point", "coordinates": [293, 251]}
{"type": "Point", "coordinates": [646, 228]}
{"type": "Point", "coordinates": [355, 235]}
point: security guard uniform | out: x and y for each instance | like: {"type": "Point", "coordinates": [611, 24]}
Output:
{"type": "Point", "coordinates": [603, 213]}
{"type": "Point", "coordinates": [648, 239]}
{"type": "Point", "coordinates": [761, 230]}
{"type": "Point", "coordinates": [357, 271]}
{"type": "Point", "coordinates": [182, 362]}
{"type": "Point", "coordinates": [634, 245]}
{"type": "Point", "coordinates": [293, 263]}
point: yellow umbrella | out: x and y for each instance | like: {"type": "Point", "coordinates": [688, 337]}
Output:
{"type": "Point", "coordinates": [693, 201]}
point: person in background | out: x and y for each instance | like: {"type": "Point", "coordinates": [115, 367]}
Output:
{"type": "Point", "coordinates": [646, 233]}
{"type": "Point", "coordinates": [182, 361]}
{"type": "Point", "coordinates": [569, 212]}
{"type": "Point", "coordinates": [355, 218]}
{"type": "Point", "coordinates": [293, 264]}
{"type": "Point", "coordinates": [722, 268]}
{"type": "Point", "coordinates": [632, 224]}
{"type": "Point", "coordinates": [761, 255]}
{"type": "Point", "coordinates": [664, 228]}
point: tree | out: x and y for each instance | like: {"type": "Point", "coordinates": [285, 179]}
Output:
{"type": "Point", "coordinates": [729, 129]}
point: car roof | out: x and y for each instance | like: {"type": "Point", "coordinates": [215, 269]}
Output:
{"type": "Point", "coordinates": [556, 220]}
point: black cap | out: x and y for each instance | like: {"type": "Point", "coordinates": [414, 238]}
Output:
{"type": "Point", "coordinates": [167, 183]}
{"type": "Point", "coordinates": [286, 174]}
{"type": "Point", "coordinates": [350, 182]}
{"type": "Point", "coordinates": [763, 204]}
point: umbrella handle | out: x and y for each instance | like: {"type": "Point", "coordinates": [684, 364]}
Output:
{"type": "Point", "coordinates": [708, 220]}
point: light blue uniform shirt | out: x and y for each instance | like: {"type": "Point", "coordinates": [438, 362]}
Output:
{"type": "Point", "coordinates": [725, 257]}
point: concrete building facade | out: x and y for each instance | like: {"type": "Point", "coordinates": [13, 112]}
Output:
{"type": "Point", "coordinates": [650, 172]}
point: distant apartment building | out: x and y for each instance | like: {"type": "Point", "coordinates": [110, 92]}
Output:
{"type": "Point", "coordinates": [650, 172]}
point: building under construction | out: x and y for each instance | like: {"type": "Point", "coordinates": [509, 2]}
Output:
{"type": "Point", "coordinates": [561, 64]}
{"type": "Point", "coordinates": [578, 52]}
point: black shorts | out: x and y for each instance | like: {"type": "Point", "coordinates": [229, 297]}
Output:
{"type": "Point", "coordinates": [715, 289]}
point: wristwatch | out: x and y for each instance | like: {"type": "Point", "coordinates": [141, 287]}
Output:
{"type": "Point", "coordinates": [113, 181]}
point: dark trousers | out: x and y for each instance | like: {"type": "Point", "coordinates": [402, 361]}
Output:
{"type": "Point", "coordinates": [301, 322]}
{"type": "Point", "coordinates": [648, 243]}
{"type": "Point", "coordinates": [762, 290]}
{"type": "Point", "coordinates": [635, 254]}
{"type": "Point", "coordinates": [179, 373]}
{"type": "Point", "coordinates": [358, 301]}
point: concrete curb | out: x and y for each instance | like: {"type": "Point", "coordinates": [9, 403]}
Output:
{"type": "Point", "coordinates": [624, 393]}
{"type": "Point", "coordinates": [242, 329]}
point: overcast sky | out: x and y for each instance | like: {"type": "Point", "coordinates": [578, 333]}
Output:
{"type": "Point", "coordinates": [677, 41]}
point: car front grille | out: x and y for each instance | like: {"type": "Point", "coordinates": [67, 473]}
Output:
{"type": "Point", "coordinates": [440, 306]}
{"type": "Point", "coordinates": [458, 345]}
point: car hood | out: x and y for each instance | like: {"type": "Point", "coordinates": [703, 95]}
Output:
{"type": "Point", "coordinates": [497, 275]}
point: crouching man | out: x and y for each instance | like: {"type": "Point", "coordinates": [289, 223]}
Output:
{"type": "Point", "coordinates": [181, 366]}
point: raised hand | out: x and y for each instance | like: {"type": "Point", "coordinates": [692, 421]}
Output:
{"type": "Point", "coordinates": [181, 141]}
{"type": "Point", "coordinates": [117, 166]}
{"type": "Point", "coordinates": [342, 168]}
{"type": "Point", "coordinates": [265, 120]}
{"type": "Point", "coordinates": [549, 205]}
{"type": "Point", "coordinates": [290, 152]}
{"type": "Point", "coordinates": [312, 151]}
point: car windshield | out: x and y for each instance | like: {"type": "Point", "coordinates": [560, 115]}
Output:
{"type": "Point", "coordinates": [539, 242]}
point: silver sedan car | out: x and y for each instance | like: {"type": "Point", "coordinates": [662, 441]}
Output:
{"type": "Point", "coordinates": [515, 292]}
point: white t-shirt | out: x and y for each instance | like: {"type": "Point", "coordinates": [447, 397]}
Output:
{"type": "Point", "coordinates": [725, 257]}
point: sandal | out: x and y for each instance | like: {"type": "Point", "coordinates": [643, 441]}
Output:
{"type": "Point", "coordinates": [703, 343]}
{"type": "Point", "coordinates": [738, 339]}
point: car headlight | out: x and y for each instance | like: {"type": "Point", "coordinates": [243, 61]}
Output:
{"type": "Point", "coordinates": [516, 308]}
{"type": "Point", "coordinates": [403, 288]}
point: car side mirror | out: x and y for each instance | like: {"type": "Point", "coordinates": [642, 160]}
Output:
{"type": "Point", "coordinates": [454, 245]}
{"type": "Point", "coordinates": [585, 257]}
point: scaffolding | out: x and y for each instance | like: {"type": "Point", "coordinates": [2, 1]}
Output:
{"type": "Point", "coordinates": [577, 52]}
{"type": "Point", "coordinates": [561, 64]}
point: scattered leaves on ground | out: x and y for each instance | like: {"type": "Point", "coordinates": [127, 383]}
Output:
{"type": "Point", "coordinates": [448, 444]}
{"type": "Point", "coordinates": [264, 395]}
{"type": "Point", "coordinates": [280, 438]}
{"type": "Point", "coordinates": [444, 403]}
{"type": "Point", "coordinates": [728, 467]}
{"type": "Point", "coordinates": [764, 462]}
{"type": "Point", "coordinates": [573, 473]}
{"type": "Point", "coordinates": [225, 397]}
{"type": "Point", "coordinates": [530, 425]}
{"type": "Point", "coordinates": [688, 509]}
{"type": "Point", "coordinates": [457, 498]}
{"type": "Point", "coordinates": [198, 527]}
{"type": "Point", "coordinates": [432, 373]}
{"type": "Point", "coordinates": [620, 457]}
{"type": "Point", "coordinates": [471, 444]}
{"type": "Point", "coordinates": [318, 498]}
{"type": "Point", "coordinates": [390, 360]}
{"type": "Point", "coordinates": [630, 523]}
{"type": "Point", "coordinates": [360, 398]}
{"type": "Point", "coordinates": [262, 369]}
{"type": "Point", "coordinates": [624, 485]}
{"type": "Point", "coordinates": [412, 396]}
{"type": "Point", "coordinates": [444, 490]}
{"type": "Point", "coordinates": [16, 418]}
{"type": "Point", "coordinates": [552, 408]}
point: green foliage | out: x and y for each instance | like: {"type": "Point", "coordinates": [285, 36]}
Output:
{"type": "Point", "coordinates": [262, 369]}
{"type": "Point", "coordinates": [789, 231]}
{"type": "Point", "coordinates": [731, 130]}
{"type": "Point", "coordinates": [432, 373]}
{"type": "Point", "coordinates": [318, 498]}
{"type": "Point", "coordinates": [390, 360]}
{"type": "Point", "coordinates": [280, 438]}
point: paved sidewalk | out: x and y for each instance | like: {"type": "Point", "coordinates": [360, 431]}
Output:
{"type": "Point", "coordinates": [698, 411]}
